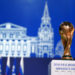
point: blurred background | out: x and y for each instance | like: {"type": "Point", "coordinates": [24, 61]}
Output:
{"type": "Point", "coordinates": [28, 13]}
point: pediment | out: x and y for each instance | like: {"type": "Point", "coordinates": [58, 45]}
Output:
{"type": "Point", "coordinates": [10, 26]}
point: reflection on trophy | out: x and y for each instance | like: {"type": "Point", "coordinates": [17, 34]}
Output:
{"type": "Point", "coordinates": [66, 31]}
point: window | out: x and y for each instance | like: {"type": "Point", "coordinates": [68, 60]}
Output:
{"type": "Point", "coordinates": [45, 47]}
{"type": "Point", "coordinates": [43, 25]}
{"type": "Point", "coordinates": [48, 25]}
{"type": "Point", "coordinates": [4, 35]}
{"type": "Point", "coordinates": [17, 34]}
{"type": "Point", "coordinates": [11, 35]}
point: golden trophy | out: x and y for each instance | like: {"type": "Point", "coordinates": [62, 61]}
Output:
{"type": "Point", "coordinates": [66, 31]}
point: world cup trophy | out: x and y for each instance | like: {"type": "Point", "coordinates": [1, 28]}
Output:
{"type": "Point", "coordinates": [66, 31]}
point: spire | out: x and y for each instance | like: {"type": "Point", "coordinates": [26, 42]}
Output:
{"type": "Point", "coordinates": [46, 17]}
{"type": "Point", "coordinates": [46, 20]}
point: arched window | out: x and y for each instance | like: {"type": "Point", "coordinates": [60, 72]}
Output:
{"type": "Point", "coordinates": [43, 25]}
{"type": "Point", "coordinates": [48, 25]}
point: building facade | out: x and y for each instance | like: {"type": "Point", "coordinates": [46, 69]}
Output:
{"type": "Point", "coordinates": [14, 41]}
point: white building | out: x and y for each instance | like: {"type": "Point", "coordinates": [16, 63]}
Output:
{"type": "Point", "coordinates": [46, 36]}
{"type": "Point", "coordinates": [14, 41]}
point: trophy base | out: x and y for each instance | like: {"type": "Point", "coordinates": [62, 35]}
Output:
{"type": "Point", "coordinates": [61, 67]}
{"type": "Point", "coordinates": [66, 57]}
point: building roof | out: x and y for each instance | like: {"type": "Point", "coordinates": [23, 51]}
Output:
{"type": "Point", "coordinates": [11, 26]}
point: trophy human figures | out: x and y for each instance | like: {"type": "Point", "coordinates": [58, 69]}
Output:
{"type": "Point", "coordinates": [66, 31]}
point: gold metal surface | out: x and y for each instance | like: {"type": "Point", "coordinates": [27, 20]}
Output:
{"type": "Point", "coordinates": [66, 31]}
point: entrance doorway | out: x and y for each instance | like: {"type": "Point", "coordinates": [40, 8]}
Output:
{"type": "Point", "coordinates": [45, 55]}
